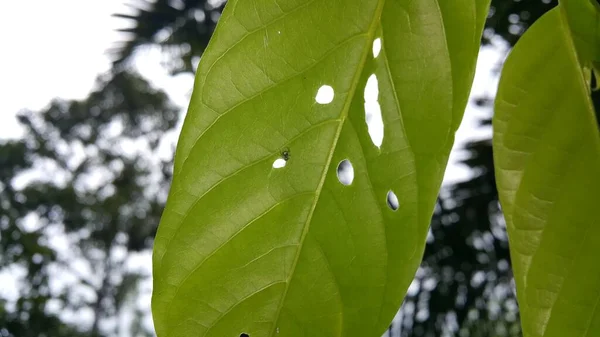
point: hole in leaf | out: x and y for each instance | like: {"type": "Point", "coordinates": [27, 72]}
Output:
{"type": "Point", "coordinates": [243, 334]}
{"type": "Point", "coordinates": [392, 201]}
{"type": "Point", "coordinates": [279, 163]}
{"type": "Point", "coordinates": [345, 172]}
{"type": "Point", "coordinates": [373, 111]}
{"type": "Point", "coordinates": [325, 95]}
{"type": "Point", "coordinates": [376, 47]}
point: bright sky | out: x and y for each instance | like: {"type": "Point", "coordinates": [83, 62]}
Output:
{"type": "Point", "coordinates": [56, 49]}
{"type": "Point", "coordinates": [52, 48]}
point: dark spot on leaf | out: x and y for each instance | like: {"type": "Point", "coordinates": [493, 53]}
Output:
{"type": "Point", "coordinates": [285, 154]}
{"type": "Point", "coordinates": [244, 335]}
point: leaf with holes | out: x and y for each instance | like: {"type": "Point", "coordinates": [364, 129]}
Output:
{"type": "Point", "coordinates": [547, 155]}
{"type": "Point", "coordinates": [309, 164]}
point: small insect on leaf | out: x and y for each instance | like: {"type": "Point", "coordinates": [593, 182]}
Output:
{"type": "Point", "coordinates": [285, 154]}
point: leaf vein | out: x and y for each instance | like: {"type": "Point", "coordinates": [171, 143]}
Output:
{"type": "Point", "coordinates": [201, 263]}
{"type": "Point", "coordinates": [250, 98]}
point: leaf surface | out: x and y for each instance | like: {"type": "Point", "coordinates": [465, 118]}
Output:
{"type": "Point", "coordinates": [547, 156]}
{"type": "Point", "coordinates": [244, 247]}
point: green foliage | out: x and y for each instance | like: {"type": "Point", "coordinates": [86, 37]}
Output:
{"type": "Point", "coordinates": [547, 152]}
{"type": "Point", "coordinates": [246, 247]}
{"type": "Point", "coordinates": [183, 28]}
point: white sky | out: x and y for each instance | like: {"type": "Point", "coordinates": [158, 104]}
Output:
{"type": "Point", "coordinates": [61, 55]}
{"type": "Point", "coordinates": [52, 48]}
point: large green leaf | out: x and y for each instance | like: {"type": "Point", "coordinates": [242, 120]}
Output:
{"type": "Point", "coordinates": [244, 247]}
{"type": "Point", "coordinates": [547, 156]}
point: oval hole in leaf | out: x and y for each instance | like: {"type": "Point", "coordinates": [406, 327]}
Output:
{"type": "Point", "coordinates": [279, 163]}
{"type": "Point", "coordinates": [345, 172]}
{"type": "Point", "coordinates": [243, 334]}
{"type": "Point", "coordinates": [325, 95]}
{"type": "Point", "coordinates": [392, 201]}
{"type": "Point", "coordinates": [373, 111]}
{"type": "Point", "coordinates": [376, 47]}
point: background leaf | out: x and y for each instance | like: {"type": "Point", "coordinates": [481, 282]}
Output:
{"type": "Point", "coordinates": [547, 155]}
{"type": "Point", "coordinates": [244, 247]}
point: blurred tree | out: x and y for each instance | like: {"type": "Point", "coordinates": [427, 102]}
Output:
{"type": "Point", "coordinates": [80, 192]}
{"type": "Point", "coordinates": [182, 28]}
{"type": "Point", "coordinates": [68, 234]}
{"type": "Point", "coordinates": [464, 286]}
{"type": "Point", "coordinates": [508, 19]}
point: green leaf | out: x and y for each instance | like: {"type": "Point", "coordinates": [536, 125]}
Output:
{"type": "Point", "coordinates": [547, 156]}
{"type": "Point", "coordinates": [584, 27]}
{"type": "Point", "coordinates": [244, 247]}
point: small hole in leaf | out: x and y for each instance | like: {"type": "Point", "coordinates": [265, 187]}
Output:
{"type": "Point", "coordinates": [392, 201]}
{"type": "Point", "coordinates": [279, 163]}
{"type": "Point", "coordinates": [244, 335]}
{"type": "Point", "coordinates": [345, 172]}
{"type": "Point", "coordinates": [325, 95]}
{"type": "Point", "coordinates": [376, 47]}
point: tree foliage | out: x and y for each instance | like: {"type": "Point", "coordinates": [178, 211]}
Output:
{"type": "Point", "coordinates": [181, 28]}
{"type": "Point", "coordinates": [77, 198]}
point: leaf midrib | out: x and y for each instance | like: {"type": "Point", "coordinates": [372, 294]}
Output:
{"type": "Point", "coordinates": [344, 115]}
